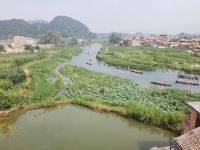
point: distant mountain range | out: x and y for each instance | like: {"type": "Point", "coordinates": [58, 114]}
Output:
{"type": "Point", "coordinates": [63, 25]}
{"type": "Point", "coordinates": [37, 21]}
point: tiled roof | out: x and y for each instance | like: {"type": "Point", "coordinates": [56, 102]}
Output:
{"type": "Point", "coordinates": [189, 141]}
{"type": "Point", "coordinates": [194, 105]}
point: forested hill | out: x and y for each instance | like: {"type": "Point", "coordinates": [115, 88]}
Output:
{"type": "Point", "coordinates": [64, 25]}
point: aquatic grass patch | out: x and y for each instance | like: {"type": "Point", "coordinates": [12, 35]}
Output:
{"type": "Point", "coordinates": [24, 77]}
{"type": "Point", "coordinates": [167, 119]}
{"type": "Point", "coordinates": [97, 85]}
{"type": "Point", "coordinates": [41, 70]}
{"type": "Point", "coordinates": [146, 58]}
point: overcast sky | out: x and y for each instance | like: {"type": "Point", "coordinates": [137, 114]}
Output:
{"type": "Point", "coordinates": [161, 16]}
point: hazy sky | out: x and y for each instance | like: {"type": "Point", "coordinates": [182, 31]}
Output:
{"type": "Point", "coordinates": [112, 15]}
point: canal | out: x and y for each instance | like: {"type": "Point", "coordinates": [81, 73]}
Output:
{"type": "Point", "coordinates": [89, 55]}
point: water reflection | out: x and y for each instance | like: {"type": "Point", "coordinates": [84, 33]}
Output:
{"type": "Point", "coordinates": [6, 124]}
{"type": "Point", "coordinates": [74, 127]}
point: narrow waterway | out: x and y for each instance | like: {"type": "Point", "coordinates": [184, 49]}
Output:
{"type": "Point", "coordinates": [70, 127]}
{"type": "Point", "coordinates": [66, 80]}
{"type": "Point", "coordinates": [89, 55]}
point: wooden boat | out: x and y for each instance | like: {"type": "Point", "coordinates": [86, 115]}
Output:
{"type": "Point", "coordinates": [124, 68]}
{"type": "Point", "coordinates": [188, 83]}
{"type": "Point", "coordinates": [191, 77]}
{"type": "Point", "coordinates": [107, 65]}
{"type": "Point", "coordinates": [119, 67]}
{"type": "Point", "coordinates": [160, 83]}
{"type": "Point", "coordinates": [88, 63]}
{"type": "Point", "coordinates": [137, 71]}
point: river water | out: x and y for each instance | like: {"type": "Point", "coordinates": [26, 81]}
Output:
{"type": "Point", "coordinates": [77, 128]}
{"type": "Point", "coordinates": [70, 127]}
{"type": "Point", "coordinates": [90, 52]}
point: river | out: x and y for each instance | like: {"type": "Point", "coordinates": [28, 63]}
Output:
{"type": "Point", "coordinates": [90, 52]}
{"type": "Point", "coordinates": [77, 128]}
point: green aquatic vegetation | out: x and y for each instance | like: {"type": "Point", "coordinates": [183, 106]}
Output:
{"type": "Point", "coordinates": [18, 88]}
{"type": "Point", "coordinates": [41, 70]}
{"type": "Point", "coordinates": [146, 58]}
{"type": "Point", "coordinates": [96, 85]}
{"type": "Point", "coordinates": [160, 107]}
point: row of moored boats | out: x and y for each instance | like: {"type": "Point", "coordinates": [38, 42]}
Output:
{"type": "Point", "coordinates": [182, 76]}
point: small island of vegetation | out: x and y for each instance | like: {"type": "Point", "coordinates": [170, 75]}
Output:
{"type": "Point", "coordinates": [146, 58]}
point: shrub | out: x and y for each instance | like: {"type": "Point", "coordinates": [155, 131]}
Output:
{"type": "Point", "coordinates": [5, 84]}
{"type": "Point", "coordinates": [155, 116]}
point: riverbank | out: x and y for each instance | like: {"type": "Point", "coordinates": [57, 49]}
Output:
{"type": "Point", "coordinates": [41, 82]}
{"type": "Point", "coordinates": [148, 59]}
{"type": "Point", "coordinates": [163, 108]}
{"type": "Point", "coordinates": [7, 113]}
{"type": "Point", "coordinates": [69, 124]}
{"type": "Point", "coordinates": [160, 107]}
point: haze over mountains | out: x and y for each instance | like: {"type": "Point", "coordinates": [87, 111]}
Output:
{"type": "Point", "coordinates": [63, 25]}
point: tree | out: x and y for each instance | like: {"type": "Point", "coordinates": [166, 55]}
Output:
{"type": "Point", "coordinates": [2, 49]}
{"type": "Point", "coordinates": [114, 38]}
{"type": "Point", "coordinates": [50, 38]}
{"type": "Point", "coordinates": [29, 47]}
{"type": "Point", "coordinates": [37, 47]}
{"type": "Point", "coordinates": [73, 41]}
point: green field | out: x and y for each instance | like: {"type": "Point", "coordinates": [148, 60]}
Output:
{"type": "Point", "coordinates": [160, 107]}
{"type": "Point", "coordinates": [149, 59]}
{"type": "Point", "coordinates": [28, 78]}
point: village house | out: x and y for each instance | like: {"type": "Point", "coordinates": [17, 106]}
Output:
{"type": "Point", "coordinates": [194, 121]}
{"type": "Point", "coordinates": [191, 139]}
{"type": "Point", "coordinates": [17, 44]}
{"type": "Point", "coordinates": [130, 41]}
{"type": "Point", "coordinates": [185, 44]}
{"type": "Point", "coordinates": [136, 43]}
{"type": "Point", "coordinates": [4, 43]}
{"type": "Point", "coordinates": [155, 41]}
{"type": "Point", "coordinates": [195, 41]}
{"type": "Point", "coordinates": [165, 40]}
{"type": "Point", "coordinates": [174, 44]}
{"type": "Point", "coordinates": [20, 41]}
{"type": "Point", "coordinates": [187, 141]}
{"type": "Point", "coordinates": [196, 48]}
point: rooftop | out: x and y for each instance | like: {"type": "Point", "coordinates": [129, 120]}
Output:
{"type": "Point", "coordinates": [189, 141]}
{"type": "Point", "coordinates": [194, 105]}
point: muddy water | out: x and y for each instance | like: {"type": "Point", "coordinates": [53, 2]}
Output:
{"type": "Point", "coordinates": [72, 127]}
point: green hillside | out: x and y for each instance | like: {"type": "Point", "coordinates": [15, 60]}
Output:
{"type": "Point", "coordinates": [63, 25]}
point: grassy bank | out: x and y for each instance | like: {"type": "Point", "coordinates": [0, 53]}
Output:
{"type": "Point", "coordinates": [164, 108]}
{"type": "Point", "coordinates": [145, 58]}
{"type": "Point", "coordinates": [39, 83]}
